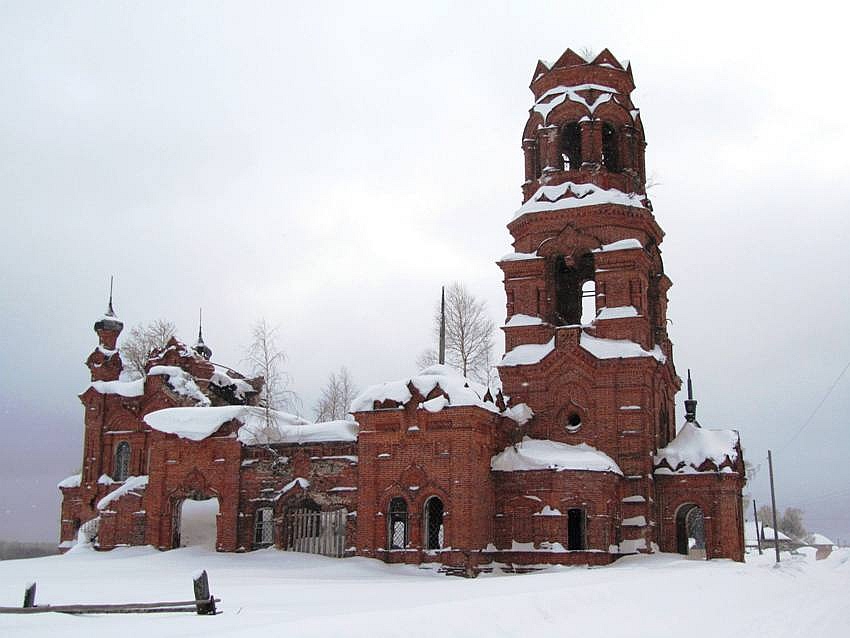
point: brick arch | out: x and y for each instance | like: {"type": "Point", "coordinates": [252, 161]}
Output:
{"type": "Point", "coordinates": [566, 112]}
{"type": "Point", "coordinates": [613, 113]}
{"type": "Point", "coordinates": [570, 242]}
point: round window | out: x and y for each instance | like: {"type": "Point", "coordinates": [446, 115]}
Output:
{"type": "Point", "coordinates": [573, 422]}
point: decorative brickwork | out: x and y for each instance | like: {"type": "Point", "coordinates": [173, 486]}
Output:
{"type": "Point", "coordinates": [576, 460]}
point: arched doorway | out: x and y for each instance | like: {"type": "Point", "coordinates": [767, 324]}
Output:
{"type": "Point", "coordinates": [690, 531]}
{"type": "Point", "coordinates": [196, 521]}
{"type": "Point", "coordinates": [434, 530]}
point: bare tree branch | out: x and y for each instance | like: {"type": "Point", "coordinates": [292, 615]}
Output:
{"type": "Point", "coordinates": [143, 339]}
{"type": "Point", "coordinates": [469, 334]}
{"type": "Point", "coordinates": [336, 397]}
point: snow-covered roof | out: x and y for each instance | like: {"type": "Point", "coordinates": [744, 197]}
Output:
{"type": "Point", "coordinates": [541, 454]}
{"type": "Point", "coordinates": [124, 388]}
{"type": "Point", "coordinates": [181, 382]}
{"type": "Point", "coordinates": [820, 539]}
{"type": "Point", "coordinates": [694, 445]}
{"type": "Point", "coordinates": [198, 423]}
{"type": "Point", "coordinates": [222, 379]}
{"type": "Point", "coordinates": [457, 390]}
{"type": "Point", "coordinates": [617, 348]}
{"type": "Point", "coordinates": [572, 195]}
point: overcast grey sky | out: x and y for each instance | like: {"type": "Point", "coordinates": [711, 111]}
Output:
{"type": "Point", "coordinates": [328, 166]}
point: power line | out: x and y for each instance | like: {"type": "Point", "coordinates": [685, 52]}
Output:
{"type": "Point", "coordinates": [818, 407]}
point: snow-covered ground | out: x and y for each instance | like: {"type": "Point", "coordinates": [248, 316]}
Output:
{"type": "Point", "coordinates": [277, 593]}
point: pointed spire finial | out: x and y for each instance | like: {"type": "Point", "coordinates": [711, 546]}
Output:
{"type": "Point", "coordinates": [442, 354]}
{"type": "Point", "coordinates": [200, 347]}
{"type": "Point", "coordinates": [690, 403]}
{"type": "Point", "coordinates": [109, 311]}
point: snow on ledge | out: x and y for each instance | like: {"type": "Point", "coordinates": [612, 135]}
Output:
{"type": "Point", "coordinates": [528, 353]}
{"type": "Point", "coordinates": [523, 320]}
{"type": "Point", "coordinates": [617, 312]}
{"type": "Point", "coordinates": [623, 244]}
{"type": "Point", "coordinates": [520, 256]}
{"type": "Point", "coordinates": [123, 388]}
{"type": "Point", "coordinates": [618, 348]}
{"type": "Point", "coordinates": [131, 483]}
{"type": "Point", "coordinates": [71, 481]}
{"type": "Point", "coordinates": [542, 454]}
{"type": "Point", "coordinates": [571, 195]}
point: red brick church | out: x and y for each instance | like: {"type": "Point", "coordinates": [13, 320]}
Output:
{"type": "Point", "coordinates": [575, 459]}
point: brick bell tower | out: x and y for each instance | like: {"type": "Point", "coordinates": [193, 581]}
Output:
{"type": "Point", "coordinates": [586, 332]}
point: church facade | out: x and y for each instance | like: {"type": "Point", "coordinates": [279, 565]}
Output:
{"type": "Point", "coordinates": [575, 459]}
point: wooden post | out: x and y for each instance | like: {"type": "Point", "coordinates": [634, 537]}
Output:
{"type": "Point", "coordinates": [756, 519]}
{"type": "Point", "coordinates": [773, 504]}
{"type": "Point", "coordinates": [204, 601]}
{"type": "Point", "coordinates": [29, 596]}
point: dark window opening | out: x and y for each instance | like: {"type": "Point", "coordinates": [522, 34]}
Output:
{"type": "Point", "coordinates": [398, 523]}
{"type": "Point", "coordinates": [434, 531]}
{"type": "Point", "coordinates": [574, 420]}
{"type": "Point", "coordinates": [263, 526]}
{"type": "Point", "coordinates": [576, 524]}
{"type": "Point", "coordinates": [690, 530]}
{"type": "Point", "coordinates": [572, 282]}
{"type": "Point", "coordinates": [122, 462]}
{"type": "Point", "coordinates": [610, 152]}
{"type": "Point", "coordinates": [571, 146]}
{"type": "Point", "coordinates": [662, 428]}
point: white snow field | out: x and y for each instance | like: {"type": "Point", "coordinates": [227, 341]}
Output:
{"type": "Point", "coordinates": [276, 593]}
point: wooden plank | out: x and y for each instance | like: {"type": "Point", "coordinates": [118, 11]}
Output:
{"type": "Point", "coordinates": [205, 604]}
{"type": "Point", "coordinates": [106, 608]}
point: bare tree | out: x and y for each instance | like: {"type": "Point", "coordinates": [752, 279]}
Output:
{"type": "Point", "coordinates": [143, 339]}
{"type": "Point", "coordinates": [337, 396]}
{"type": "Point", "coordinates": [266, 359]}
{"type": "Point", "coordinates": [469, 334]}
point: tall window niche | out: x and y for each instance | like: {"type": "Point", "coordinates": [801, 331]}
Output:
{"type": "Point", "coordinates": [610, 148]}
{"type": "Point", "coordinates": [574, 282]}
{"type": "Point", "coordinates": [571, 146]}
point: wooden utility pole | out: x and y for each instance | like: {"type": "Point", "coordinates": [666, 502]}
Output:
{"type": "Point", "coordinates": [773, 504]}
{"type": "Point", "coordinates": [756, 519]}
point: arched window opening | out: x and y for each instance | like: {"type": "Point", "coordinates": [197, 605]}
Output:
{"type": "Point", "coordinates": [571, 146]}
{"type": "Point", "coordinates": [610, 152]}
{"type": "Point", "coordinates": [588, 302]}
{"type": "Point", "coordinates": [263, 526]}
{"type": "Point", "coordinates": [574, 277]}
{"type": "Point", "coordinates": [690, 531]}
{"type": "Point", "coordinates": [576, 527]}
{"type": "Point", "coordinates": [434, 531]}
{"type": "Point", "coordinates": [573, 422]}
{"type": "Point", "coordinates": [398, 523]}
{"type": "Point", "coordinates": [122, 462]}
